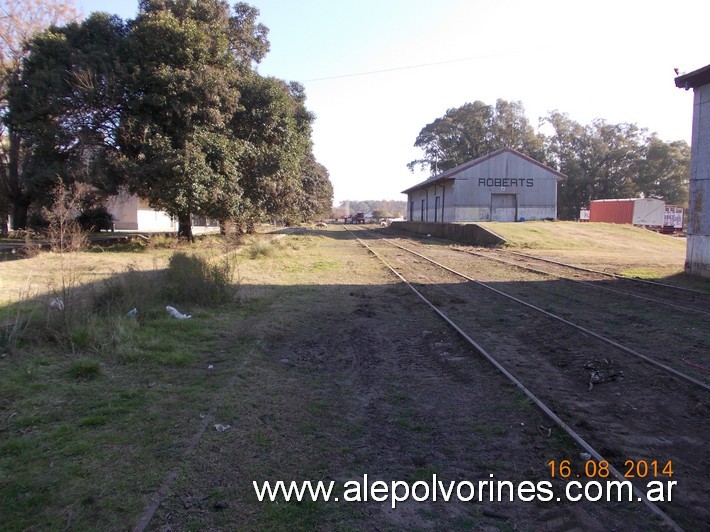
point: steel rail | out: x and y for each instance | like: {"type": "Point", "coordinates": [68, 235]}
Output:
{"type": "Point", "coordinates": [614, 275]}
{"type": "Point", "coordinates": [586, 283]}
{"type": "Point", "coordinates": [675, 373]}
{"type": "Point", "coordinates": [641, 496]}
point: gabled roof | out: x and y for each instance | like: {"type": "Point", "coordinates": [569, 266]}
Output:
{"type": "Point", "coordinates": [450, 174]}
{"type": "Point", "coordinates": [697, 78]}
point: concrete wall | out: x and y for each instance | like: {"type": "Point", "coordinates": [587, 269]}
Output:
{"type": "Point", "coordinates": [131, 213]}
{"type": "Point", "coordinates": [124, 210]}
{"type": "Point", "coordinates": [697, 260]}
{"type": "Point", "coordinates": [465, 233]}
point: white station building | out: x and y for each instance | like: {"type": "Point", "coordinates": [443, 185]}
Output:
{"type": "Point", "coordinates": [503, 186]}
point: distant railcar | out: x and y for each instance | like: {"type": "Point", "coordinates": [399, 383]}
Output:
{"type": "Point", "coordinates": [642, 212]}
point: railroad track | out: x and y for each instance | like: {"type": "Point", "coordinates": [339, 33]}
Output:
{"type": "Point", "coordinates": [654, 284]}
{"type": "Point", "coordinates": [615, 404]}
{"type": "Point", "coordinates": [637, 324]}
{"type": "Point", "coordinates": [672, 296]}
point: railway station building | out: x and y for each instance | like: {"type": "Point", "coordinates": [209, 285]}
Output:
{"type": "Point", "coordinates": [697, 257]}
{"type": "Point", "coordinates": [503, 186]}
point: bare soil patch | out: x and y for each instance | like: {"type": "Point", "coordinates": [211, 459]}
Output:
{"type": "Point", "coordinates": [351, 376]}
{"type": "Point", "coordinates": [327, 368]}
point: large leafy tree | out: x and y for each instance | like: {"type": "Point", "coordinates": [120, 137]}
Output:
{"type": "Point", "coordinates": [317, 191]}
{"type": "Point", "coordinates": [20, 20]}
{"type": "Point", "coordinates": [604, 161]}
{"type": "Point", "coordinates": [664, 171]}
{"type": "Point", "coordinates": [275, 127]}
{"type": "Point", "coordinates": [169, 106]}
{"type": "Point", "coordinates": [64, 108]}
{"type": "Point", "coordinates": [176, 148]}
{"type": "Point", "coordinates": [565, 151]}
{"type": "Point", "coordinates": [473, 130]}
{"type": "Point", "coordinates": [615, 153]}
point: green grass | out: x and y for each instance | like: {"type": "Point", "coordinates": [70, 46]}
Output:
{"type": "Point", "coordinates": [575, 235]}
{"type": "Point", "coordinates": [92, 446]}
{"type": "Point", "coordinates": [97, 407]}
{"type": "Point", "coordinates": [89, 435]}
{"type": "Point", "coordinates": [323, 265]}
{"type": "Point", "coordinates": [85, 369]}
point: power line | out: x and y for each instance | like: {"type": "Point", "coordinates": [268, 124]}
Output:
{"type": "Point", "coordinates": [409, 67]}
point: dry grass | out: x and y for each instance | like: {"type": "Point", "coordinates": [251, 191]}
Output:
{"type": "Point", "coordinates": [38, 275]}
{"type": "Point", "coordinates": [620, 248]}
{"type": "Point", "coordinates": [88, 440]}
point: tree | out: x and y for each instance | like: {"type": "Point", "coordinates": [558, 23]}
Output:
{"type": "Point", "coordinates": [63, 109]}
{"type": "Point", "coordinates": [474, 130]}
{"type": "Point", "coordinates": [664, 172]}
{"type": "Point", "coordinates": [607, 161]}
{"type": "Point", "coordinates": [600, 160]}
{"type": "Point", "coordinates": [19, 21]}
{"type": "Point", "coordinates": [275, 128]}
{"type": "Point", "coordinates": [177, 149]}
{"type": "Point", "coordinates": [565, 150]}
{"type": "Point", "coordinates": [317, 195]}
{"type": "Point", "coordinates": [168, 105]}
{"type": "Point", "coordinates": [616, 151]}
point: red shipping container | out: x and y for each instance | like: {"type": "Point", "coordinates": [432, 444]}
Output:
{"type": "Point", "coordinates": [617, 211]}
{"type": "Point", "coordinates": [642, 212]}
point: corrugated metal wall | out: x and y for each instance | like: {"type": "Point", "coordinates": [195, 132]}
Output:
{"type": "Point", "coordinates": [698, 251]}
{"type": "Point", "coordinates": [534, 189]}
{"type": "Point", "coordinates": [431, 204]}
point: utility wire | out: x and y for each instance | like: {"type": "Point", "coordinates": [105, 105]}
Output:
{"type": "Point", "coordinates": [410, 67]}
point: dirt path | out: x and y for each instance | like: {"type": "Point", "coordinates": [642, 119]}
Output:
{"type": "Point", "coordinates": [347, 375]}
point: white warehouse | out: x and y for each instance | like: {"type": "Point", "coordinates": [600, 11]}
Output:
{"type": "Point", "coordinates": [503, 186]}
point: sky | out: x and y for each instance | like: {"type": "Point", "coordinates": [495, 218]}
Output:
{"type": "Point", "coordinates": [378, 71]}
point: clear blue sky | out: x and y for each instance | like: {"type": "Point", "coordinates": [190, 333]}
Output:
{"type": "Point", "coordinates": [602, 59]}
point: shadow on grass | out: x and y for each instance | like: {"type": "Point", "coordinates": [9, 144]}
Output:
{"type": "Point", "coordinates": [312, 367]}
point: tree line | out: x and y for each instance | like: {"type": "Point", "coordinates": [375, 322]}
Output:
{"type": "Point", "coordinates": [168, 106]}
{"type": "Point", "coordinates": [601, 160]}
{"type": "Point", "coordinates": [378, 208]}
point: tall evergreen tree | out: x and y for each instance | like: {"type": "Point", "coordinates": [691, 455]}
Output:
{"type": "Point", "coordinates": [21, 20]}
{"type": "Point", "coordinates": [63, 108]}
{"type": "Point", "coordinates": [275, 127]}
{"type": "Point", "coordinates": [176, 148]}
{"type": "Point", "coordinates": [665, 170]}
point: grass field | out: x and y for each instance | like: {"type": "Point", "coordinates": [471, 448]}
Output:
{"type": "Point", "coordinates": [96, 408]}
{"type": "Point", "coordinates": [624, 249]}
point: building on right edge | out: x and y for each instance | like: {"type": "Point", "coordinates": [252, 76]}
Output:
{"type": "Point", "coordinates": [697, 261]}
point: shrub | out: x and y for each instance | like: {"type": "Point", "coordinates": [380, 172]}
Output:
{"type": "Point", "coordinates": [163, 241]}
{"type": "Point", "coordinates": [120, 293]}
{"type": "Point", "coordinates": [95, 219]}
{"type": "Point", "coordinates": [193, 279]}
{"type": "Point", "coordinates": [260, 248]}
